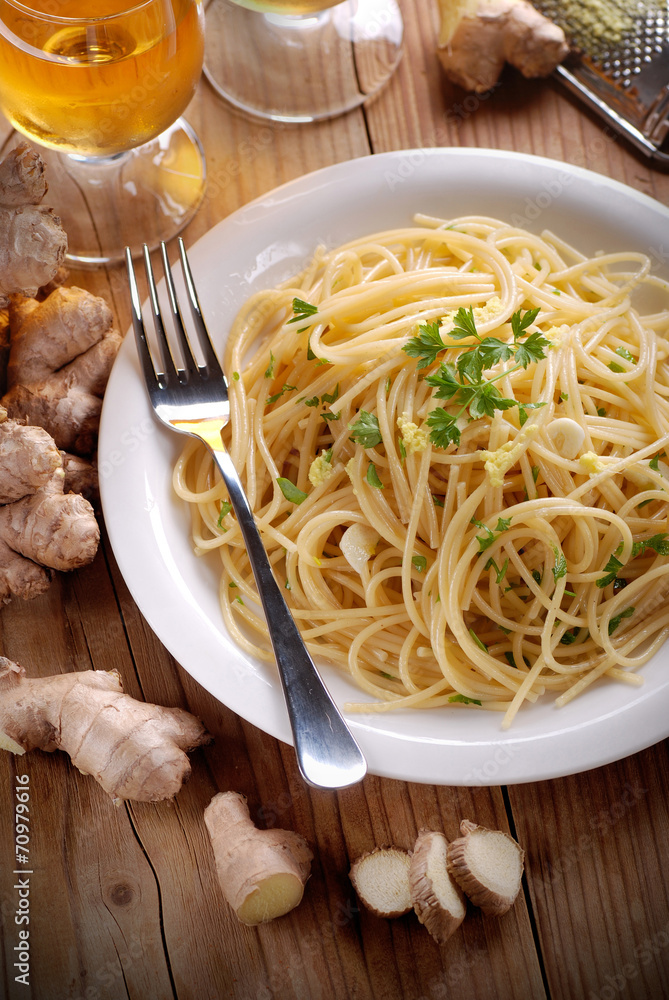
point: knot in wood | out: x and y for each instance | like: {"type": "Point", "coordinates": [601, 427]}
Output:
{"type": "Point", "coordinates": [122, 894]}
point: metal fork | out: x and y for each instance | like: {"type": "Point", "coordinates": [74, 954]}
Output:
{"type": "Point", "coordinates": [194, 400]}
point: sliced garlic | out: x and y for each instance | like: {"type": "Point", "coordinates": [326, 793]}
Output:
{"type": "Point", "coordinates": [358, 544]}
{"type": "Point", "coordinates": [641, 480]}
{"type": "Point", "coordinates": [567, 436]}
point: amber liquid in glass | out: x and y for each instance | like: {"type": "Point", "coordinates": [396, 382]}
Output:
{"type": "Point", "coordinates": [103, 84]}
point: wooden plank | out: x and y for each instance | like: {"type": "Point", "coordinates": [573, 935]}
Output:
{"type": "Point", "coordinates": [596, 846]}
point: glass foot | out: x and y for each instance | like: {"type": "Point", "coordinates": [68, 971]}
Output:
{"type": "Point", "coordinates": [146, 195]}
{"type": "Point", "coordinates": [301, 67]}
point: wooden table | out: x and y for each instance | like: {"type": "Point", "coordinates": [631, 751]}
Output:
{"type": "Point", "coordinates": [124, 901]}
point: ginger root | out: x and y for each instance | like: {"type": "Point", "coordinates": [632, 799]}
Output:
{"type": "Point", "coordinates": [488, 867]}
{"type": "Point", "coordinates": [134, 750]}
{"type": "Point", "coordinates": [381, 880]}
{"type": "Point", "coordinates": [32, 240]}
{"type": "Point", "coordinates": [42, 528]}
{"type": "Point", "coordinates": [262, 872]}
{"type": "Point", "coordinates": [437, 899]}
{"type": "Point", "coordinates": [61, 353]}
{"type": "Point", "coordinates": [478, 36]}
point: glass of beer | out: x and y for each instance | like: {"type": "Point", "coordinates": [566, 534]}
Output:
{"type": "Point", "coordinates": [101, 86]}
{"type": "Point", "coordinates": [301, 60]}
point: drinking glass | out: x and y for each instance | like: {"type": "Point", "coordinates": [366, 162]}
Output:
{"type": "Point", "coordinates": [101, 85]}
{"type": "Point", "coordinates": [301, 60]}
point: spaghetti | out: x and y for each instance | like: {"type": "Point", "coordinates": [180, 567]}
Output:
{"type": "Point", "coordinates": [452, 437]}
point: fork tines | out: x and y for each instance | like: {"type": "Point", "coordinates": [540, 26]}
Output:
{"type": "Point", "coordinates": [171, 369]}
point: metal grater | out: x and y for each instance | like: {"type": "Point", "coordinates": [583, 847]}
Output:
{"type": "Point", "coordinates": [619, 65]}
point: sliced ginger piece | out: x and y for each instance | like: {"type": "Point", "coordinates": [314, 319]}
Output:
{"type": "Point", "coordinates": [488, 866]}
{"type": "Point", "coordinates": [437, 898]}
{"type": "Point", "coordinates": [262, 873]}
{"type": "Point", "coordinates": [381, 880]}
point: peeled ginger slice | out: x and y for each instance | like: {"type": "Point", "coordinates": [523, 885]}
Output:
{"type": "Point", "coordinates": [381, 880]}
{"type": "Point", "coordinates": [437, 899]}
{"type": "Point", "coordinates": [488, 867]}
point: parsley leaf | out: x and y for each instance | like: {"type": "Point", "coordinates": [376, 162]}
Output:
{"type": "Point", "coordinates": [290, 491]}
{"type": "Point", "coordinates": [302, 310]}
{"type": "Point", "coordinates": [330, 397]}
{"type": "Point", "coordinates": [269, 372]}
{"type": "Point", "coordinates": [426, 345]}
{"type": "Point", "coordinates": [485, 540]}
{"type": "Point", "coordinates": [622, 352]}
{"type": "Point", "coordinates": [366, 430]}
{"type": "Point", "coordinates": [615, 622]}
{"type": "Point", "coordinates": [499, 573]}
{"type": "Point", "coordinates": [611, 571]}
{"type": "Point", "coordinates": [520, 323]}
{"type": "Point", "coordinates": [524, 407]}
{"type": "Point", "coordinates": [444, 426]}
{"type": "Point", "coordinates": [531, 349]}
{"type": "Point", "coordinates": [560, 567]}
{"type": "Point", "coordinates": [463, 699]}
{"type": "Point", "coordinates": [277, 395]}
{"type": "Point", "coordinates": [226, 507]}
{"type": "Point", "coordinates": [571, 635]}
{"type": "Point", "coordinates": [479, 642]}
{"type": "Point", "coordinates": [372, 477]}
{"type": "Point", "coordinates": [419, 563]}
{"type": "Point", "coordinates": [658, 543]}
{"type": "Point", "coordinates": [464, 324]}
{"type": "Point", "coordinates": [446, 382]}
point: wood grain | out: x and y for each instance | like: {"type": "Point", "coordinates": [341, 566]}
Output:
{"type": "Point", "coordinates": [125, 901]}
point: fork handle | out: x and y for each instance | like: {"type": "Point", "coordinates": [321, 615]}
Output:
{"type": "Point", "coordinates": [327, 754]}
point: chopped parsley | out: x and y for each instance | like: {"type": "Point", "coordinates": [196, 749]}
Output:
{"type": "Point", "coordinates": [615, 621]}
{"type": "Point", "coordinates": [610, 571]}
{"type": "Point", "coordinates": [226, 507]}
{"type": "Point", "coordinates": [372, 477]}
{"type": "Point", "coordinates": [463, 700]}
{"type": "Point", "coordinates": [302, 311]}
{"type": "Point", "coordinates": [366, 430]}
{"type": "Point", "coordinates": [290, 491]}
{"type": "Point", "coordinates": [560, 567]}
{"type": "Point", "coordinates": [499, 573]}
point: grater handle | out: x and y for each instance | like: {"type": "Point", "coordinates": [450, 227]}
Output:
{"type": "Point", "coordinates": [636, 137]}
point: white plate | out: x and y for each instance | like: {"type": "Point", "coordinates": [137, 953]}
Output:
{"type": "Point", "coordinates": [269, 240]}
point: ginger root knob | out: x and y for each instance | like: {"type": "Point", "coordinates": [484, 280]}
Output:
{"type": "Point", "coordinates": [262, 873]}
{"type": "Point", "coordinates": [134, 750]}
{"type": "Point", "coordinates": [478, 36]}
